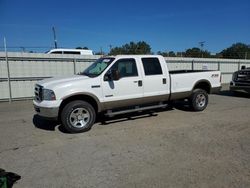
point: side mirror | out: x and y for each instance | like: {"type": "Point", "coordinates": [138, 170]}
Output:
{"type": "Point", "coordinates": [115, 74]}
{"type": "Point", "coordinates": [243, 67]}
{"type": "Point", "coordinates": [112, 75]}
{"type": "Point", "coordinates": [108, 76]}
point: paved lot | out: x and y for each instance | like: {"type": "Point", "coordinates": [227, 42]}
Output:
{"type": "Point", "coordinates": [172, 148]}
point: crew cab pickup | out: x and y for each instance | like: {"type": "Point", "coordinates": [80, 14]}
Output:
{"type": "Point", "coordinates": [121, 84]}
{"type": "Point", "coordinates": [241, 80]}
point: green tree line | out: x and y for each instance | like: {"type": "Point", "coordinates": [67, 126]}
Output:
{"type": "Point", "coordinates": [235, 51]}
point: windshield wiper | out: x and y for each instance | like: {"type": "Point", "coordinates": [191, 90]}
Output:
{"type": "Point", "coordinates": [88, 74]}
{"type": "Point", "coordinates": [84, 74]}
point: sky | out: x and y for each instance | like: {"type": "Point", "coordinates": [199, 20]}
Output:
{"type": "Point", "coordinates": [165, 25]}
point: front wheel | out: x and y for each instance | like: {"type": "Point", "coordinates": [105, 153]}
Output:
{"type": "Point", "coordinates": [198, 100]}
{"type": "Point", "coordinates": [78, 116]}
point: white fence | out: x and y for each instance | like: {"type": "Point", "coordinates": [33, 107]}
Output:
{"type": "Point", "coordinates": [25, 69]}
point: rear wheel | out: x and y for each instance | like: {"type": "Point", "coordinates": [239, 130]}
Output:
{"type": "Point", "coordinates": [78, 116]}
{"type": "Point", "coordinates": [199, 100]}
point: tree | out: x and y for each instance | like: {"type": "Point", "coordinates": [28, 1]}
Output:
{"type": "Point", "coordinates": [237, 51]}
{"type": "Point", "coordinates": [143, 48]}
{"type": "Point", "coordinates": [206, 54]}
{"type": "Point", "coordinates": [164, 54]}
{"type": "Point", "coordinates": [140, 47]}
{"type": "Point", "coordinates": [193, 52]}
{"type": "Point", "coordinates": [171, 54]}
{"type": "Point", "coordinates": [167, 54]}
{"type": "Point", "coordinates": [180, 54]}
{"type": "Point", "coordinates": [196, 52]}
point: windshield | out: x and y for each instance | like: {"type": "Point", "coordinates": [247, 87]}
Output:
{"type": "Point", "coordinates": [97, 67]}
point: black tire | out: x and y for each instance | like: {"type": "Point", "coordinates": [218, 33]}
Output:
{"type": "Point", "coordinates": [78, 116]}
{"type": "Point", "coordinates": [198, 100]}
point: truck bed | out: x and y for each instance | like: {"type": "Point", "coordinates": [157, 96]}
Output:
{"type": "Point", "coordinates": [183, 81]}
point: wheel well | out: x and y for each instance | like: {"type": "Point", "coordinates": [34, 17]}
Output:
{"type": "Point", "coordinates": [86, 98]}
{"type": "Point", "coordinates": [203, 85]}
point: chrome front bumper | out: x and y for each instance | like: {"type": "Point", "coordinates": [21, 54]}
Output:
{"type": "Point", "coordinates": [239, 87]}
{"type": "Point", "coordinates": [50, 113]}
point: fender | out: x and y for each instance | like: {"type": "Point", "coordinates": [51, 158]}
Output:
{"type": "Point", "coordinates": [91, 95]}
{"type": "Point", "coordinates": [201, 82]}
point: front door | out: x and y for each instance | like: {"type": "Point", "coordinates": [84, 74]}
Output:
{"type": "Point", "coordinates": [118, 93]}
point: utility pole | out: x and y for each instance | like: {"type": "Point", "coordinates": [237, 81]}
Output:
{"type": "Point", "coordinates": [101, 50]}
{"type": "Point", "coordinates": [54, 34]}
{"type": "Point", "coordinates": [201, 44]}
{"type": "Point", "coordinates": [8, 69]}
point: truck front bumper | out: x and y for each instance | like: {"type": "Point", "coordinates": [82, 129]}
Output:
{"type": "Point", "coordinates": [46, 111]}
{"type": "Point", "coordinates": [239, 87]}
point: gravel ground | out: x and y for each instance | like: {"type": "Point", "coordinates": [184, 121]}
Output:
{"type": "Point", "coordinates": [169, 148]}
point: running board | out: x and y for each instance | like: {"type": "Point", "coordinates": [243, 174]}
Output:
{"type": "Point", "coordinates": [136, 109]}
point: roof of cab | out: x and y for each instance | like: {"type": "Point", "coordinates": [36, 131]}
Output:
{"type": "Point", "coordinates": [131, 56]}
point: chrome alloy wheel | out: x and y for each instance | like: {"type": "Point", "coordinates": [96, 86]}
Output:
{"type": "Point", "coordinates": [79, 117]}
{"type": "Point", "coordinates": [201, 100]}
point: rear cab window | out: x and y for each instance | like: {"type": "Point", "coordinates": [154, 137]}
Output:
{"type": "Point", "coordinates": [151, 66]}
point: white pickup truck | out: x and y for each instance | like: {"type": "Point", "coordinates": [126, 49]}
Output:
{"type": "Point", "coordinates": [121, 84]}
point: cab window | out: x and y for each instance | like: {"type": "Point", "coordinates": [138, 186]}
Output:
{"type": "Point", "coordinates": [126, 67]}
{"type": "Point", "coordinates": [151, 66]}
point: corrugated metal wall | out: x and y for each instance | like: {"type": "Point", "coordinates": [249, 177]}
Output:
{"type": "Point", "coordinates": [27, 68]}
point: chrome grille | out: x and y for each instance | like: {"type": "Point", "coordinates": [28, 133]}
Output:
{"type": "Point", "coordinates": [243, 76]}
{"type": "Point", "coordinates": [38, 92]}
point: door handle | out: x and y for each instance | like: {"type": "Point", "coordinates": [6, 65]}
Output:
{"type": "Point", "coordinates": [139, 83]}
{"type": "Point", "coordinates": [164, 80]}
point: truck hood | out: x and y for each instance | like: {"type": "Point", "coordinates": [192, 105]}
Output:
{"type": "Point", "coordinates": [51, 83]}
{"type": "Point", "coordinates": [245, 71]}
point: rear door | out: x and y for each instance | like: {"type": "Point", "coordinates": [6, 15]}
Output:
{"type": "Point", "coordinates": [155, 78]}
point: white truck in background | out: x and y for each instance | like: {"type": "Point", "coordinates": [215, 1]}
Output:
{"type": "Point", "coordinates": [64, 51]}
{"type": "Point", "coordinates": [121, 84]}
{"type": "Point", "coordinates": [241, 80]}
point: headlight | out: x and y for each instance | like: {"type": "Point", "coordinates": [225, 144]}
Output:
{"type": "Point", "coordinates": [48, 95]}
